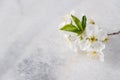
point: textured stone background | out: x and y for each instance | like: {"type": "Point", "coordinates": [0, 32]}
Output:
{"type": "Point", "coordinates": [32, 47]}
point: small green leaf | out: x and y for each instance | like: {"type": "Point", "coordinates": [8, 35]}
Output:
{"type": "Point", "coordinates": [70, 28]}
{"type": "Point", "coordinates": [84, 19]}
{"type": "Point", "coordinates": [77, 22]}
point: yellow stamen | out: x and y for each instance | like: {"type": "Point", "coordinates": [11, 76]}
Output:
{"type": "Point", "coordinates": [94, 53]}
{"type": "Point", "coordinates": [92, 21]}
{"type": "Point", "coordinates": [70, 38]}
{"type": "Point", "coordinates": [81, 37]}
{"type": "Point", "coordinates": [93, 39]}
{"type": "Point", "coordinates": [105, 40]}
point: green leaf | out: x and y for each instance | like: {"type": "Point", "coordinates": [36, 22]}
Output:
{"type": "Point", "coordinates": [84, 19]}
{"type": "Point", "coordinates": [70, 28]}
{"type": "Point", "coordinates": [77, 22]}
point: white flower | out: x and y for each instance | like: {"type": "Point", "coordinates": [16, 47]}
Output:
{"type": "Point", "coordinates": [90, 41]}
{"type": "Point", "coordinates": [67, 17]}
{"type": "Point", "coordinates": [96, 36]}
{"type": "Point", "coordinates": [92, 38]}
{"type": "Point", "coordinates": [72, 40]}
{"type": "Point", "coordinates": [93, 42]}
{"type": "Point", "coordinates": [96, 55]}
{"type": "Point", "coordinates": [84, 44]}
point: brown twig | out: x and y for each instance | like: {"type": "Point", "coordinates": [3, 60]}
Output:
{"type": "Point", "coordinates": [114, 33]}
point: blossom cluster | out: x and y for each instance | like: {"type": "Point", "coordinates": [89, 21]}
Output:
{"type": "Point", "coordinates": [91, 40]}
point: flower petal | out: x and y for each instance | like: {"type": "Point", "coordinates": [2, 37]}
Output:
{"type": "Point", "coordinates": [72, 12]}
{"type": "Point", "coordinates": [93, 55]}
{"type": "Point", "coordinates": [98, 46]}
{"type": "Point", "coordinates": [101, 56]}
{"type": "Point", "coordinates": [102, 35]}
{"type": "Point", "coordinates": [72, 37]}
{"type": "Point", "coordinates": [84, 44]}
{"type": "Point", "coordinates": [92, 30]}
{"type": "Point", "coordinates": [96, 55]}
{"type": "Point", "coordinates": [67, 17]}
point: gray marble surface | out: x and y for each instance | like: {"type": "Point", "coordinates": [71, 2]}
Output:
{"type": "Point", "coordinates": [32, 47]}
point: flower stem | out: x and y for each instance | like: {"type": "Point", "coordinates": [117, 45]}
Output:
{"type": "Point", "coordinates": [114, 33]}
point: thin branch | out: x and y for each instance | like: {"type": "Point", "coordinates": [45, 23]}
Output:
{"type": "Point", "coordinates": [114, 33]}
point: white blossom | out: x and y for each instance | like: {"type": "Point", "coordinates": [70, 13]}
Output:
{"type": "Point", "coordinates": [90, 41]}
